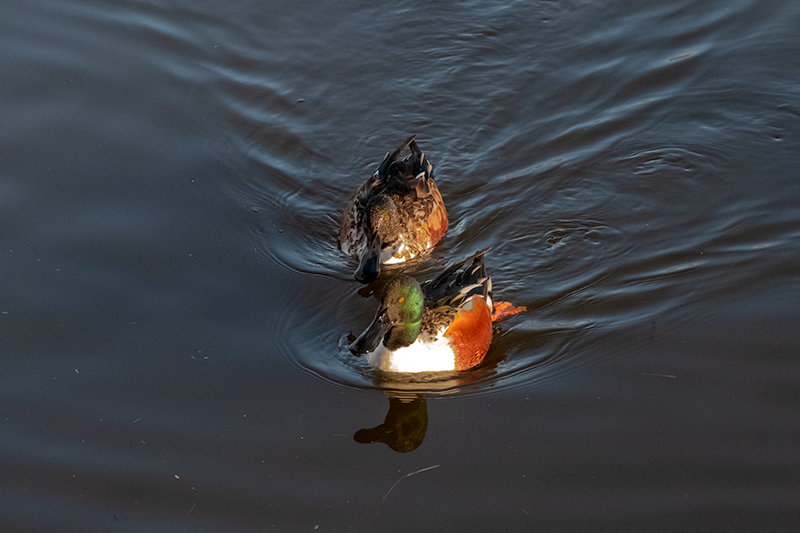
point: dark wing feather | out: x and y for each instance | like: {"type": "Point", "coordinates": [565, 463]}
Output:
{"type": "Point", "coordinates": [459, 282]}
{"type": "Point", "coordinates": [390, 171]}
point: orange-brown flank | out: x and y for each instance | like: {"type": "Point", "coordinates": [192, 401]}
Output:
{"type": "Point", "coordinates": [470, 334]}
{"type": "Point", "coordinates": [437, 220]}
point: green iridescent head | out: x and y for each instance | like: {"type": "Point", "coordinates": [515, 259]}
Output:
{"type": "Point", "coordinates": [403, 300]}
{"type": "Point", "coordinates": [398, 319]}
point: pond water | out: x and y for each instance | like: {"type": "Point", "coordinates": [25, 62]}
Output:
{"type": "Point", "coordinates": [175, 311]}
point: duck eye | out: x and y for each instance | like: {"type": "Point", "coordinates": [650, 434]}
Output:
{"type": "Point", "coordinates": [401, 300]}
{"type": "Point", "coordinates": [386, 218]}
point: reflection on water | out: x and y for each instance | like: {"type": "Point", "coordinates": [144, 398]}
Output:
{"type": "Point", "coordinates": [404, 427]}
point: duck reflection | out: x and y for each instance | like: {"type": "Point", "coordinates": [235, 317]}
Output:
{"type": "Point", "coordinates": [404, 427]}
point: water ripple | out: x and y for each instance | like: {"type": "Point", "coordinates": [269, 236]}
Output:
{"type": "Point", "coordinates": [590, 194]}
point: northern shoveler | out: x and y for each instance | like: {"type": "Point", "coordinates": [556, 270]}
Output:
{"type": "Point", "coordinates": [441, 325]}
{"type": "Point", "coordinates": [395, 215]}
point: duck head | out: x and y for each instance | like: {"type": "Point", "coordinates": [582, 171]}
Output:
{"type": "Point", "coordinates": [383, 229]}
{"type": "Point", "coordinates": [398, 319]}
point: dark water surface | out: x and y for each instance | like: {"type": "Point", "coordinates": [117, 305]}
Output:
{"type": "Point", "coordinates": [175, 310]}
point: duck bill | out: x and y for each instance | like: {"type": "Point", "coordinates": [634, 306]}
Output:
{"type": "Point", "coordinates": [369, 266]}
{"type": "Point", "coordinates": [371, 338]}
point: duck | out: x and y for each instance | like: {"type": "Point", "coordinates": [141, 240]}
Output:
{"type": "Point", "coordinates": [395, 215]}
{"type": "Point", "coordinates": [441, 325]}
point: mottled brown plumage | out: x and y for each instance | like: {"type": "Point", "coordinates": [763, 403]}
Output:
{"type": "Point", "coordinates": [395, 215]}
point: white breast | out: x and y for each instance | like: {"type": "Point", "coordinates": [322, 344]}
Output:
{"type": "Point", "coordinates": [437, 356]}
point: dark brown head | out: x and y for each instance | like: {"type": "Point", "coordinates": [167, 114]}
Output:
{"type": "Point", "coordinates": [383, 229]}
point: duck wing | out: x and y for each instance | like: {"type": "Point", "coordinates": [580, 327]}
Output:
{"type": "Point", "coordinates": [459, 282]}
{"type": "Point", "coordinates": [401, 176]}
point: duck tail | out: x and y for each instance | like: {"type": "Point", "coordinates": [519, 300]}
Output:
{"type": "Point", "coordinates": [391, 157]}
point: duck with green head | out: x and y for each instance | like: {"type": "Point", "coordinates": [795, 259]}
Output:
{"type": "Point", "coordinates": [441, 325]}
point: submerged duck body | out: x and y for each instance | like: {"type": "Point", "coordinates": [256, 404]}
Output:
{"type": "Point", "coordinates": [441, 325]}
{"type": "Point", "coordinates": [395, 215]}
